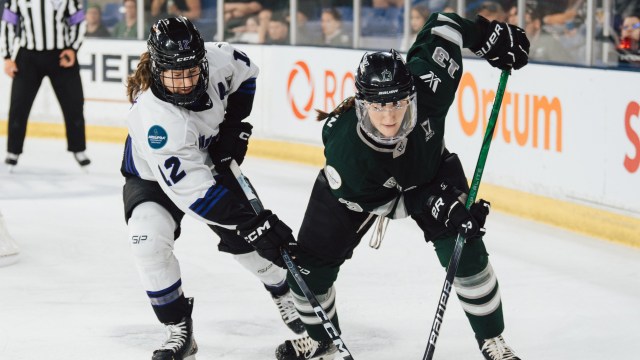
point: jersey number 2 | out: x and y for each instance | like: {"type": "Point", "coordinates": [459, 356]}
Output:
{"type": "Point", "coordinates": [176, 175]}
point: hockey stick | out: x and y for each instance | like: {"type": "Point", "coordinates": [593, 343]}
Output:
{"type": "Point", "coordinates": [473, 192]}
{"type": "Point", "coordinates": [256, 204]}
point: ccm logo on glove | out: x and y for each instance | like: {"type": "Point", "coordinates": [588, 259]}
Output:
{"type": "Point", "coordinates": [255, 234]}
{"type": "Point", "coordinates": [268, 234]}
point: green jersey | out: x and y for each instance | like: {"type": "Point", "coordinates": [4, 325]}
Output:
{"type": "Point", "coordinates": [370, 177]}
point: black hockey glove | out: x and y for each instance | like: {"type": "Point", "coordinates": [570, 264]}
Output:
{"type": "Point", "coordinates": [232, 144]}
{"type": "Point", "coordinates": [504, 46]}
{"type": "Point", "coordinates": [448, 208]}
{"type": "Point", "coordinates": [479, 211]}
{"type": "Point", "coordinates": [267, 234]}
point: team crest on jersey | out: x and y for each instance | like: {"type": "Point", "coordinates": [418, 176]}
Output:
{"type": "Point", "coordinates": [333, 177]}
{"type": "Point", "coordinates": [157, 137]}
{"type": "Point", "coordinates": [426, 126]}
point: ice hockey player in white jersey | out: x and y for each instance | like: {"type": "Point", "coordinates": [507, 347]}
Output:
{"type": "Point", "coordinates": [185, 126]}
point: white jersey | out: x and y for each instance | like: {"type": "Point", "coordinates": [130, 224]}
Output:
{"type": "Point", "coordinates": [168, 143]}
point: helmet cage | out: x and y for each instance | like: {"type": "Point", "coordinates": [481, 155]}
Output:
{"type": "Point", "coordinates": [383, 78]}
{"type": "Point", "coordinates": [176, 44]}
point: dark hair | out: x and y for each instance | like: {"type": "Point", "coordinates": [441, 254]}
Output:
{"type": "Point", "coordinates": [334, 13]}
{"type": "Point", "coordinates": [280, 16]}
{"type": "Point", "coordinates": [491, 6]}
{"type": "Point", "coordinates": [345, 105]}
{"type": "Point", "coordinates": [534, 11]}
{"type": "Point", "coordinates": [141, 79]}
{"type": "Point", "coordinates": [95, 6]}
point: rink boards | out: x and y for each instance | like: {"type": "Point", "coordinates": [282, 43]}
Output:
{"type": "Point", "coordinates": [566, 149]}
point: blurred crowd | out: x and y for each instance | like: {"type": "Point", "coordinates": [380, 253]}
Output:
{"type": "Point", "coordinates": [557, 28]}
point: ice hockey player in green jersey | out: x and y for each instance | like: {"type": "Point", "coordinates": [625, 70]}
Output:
{"type": "Point", "coordinates": [386, 158]}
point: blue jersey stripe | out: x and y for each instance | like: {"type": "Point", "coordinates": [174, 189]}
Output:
{"type": "Point", "coordinates": [248, 91]}
{"type": "Point", "coordinates": [203, 205]}
{"type": "Point", "coordinates": [198, 202]}
{"type": "Point", "coordinates": [205, 200]}
{"type": "Point", "coordinates": [215, 201]}
{"type": "Point", "coordinates": [129, 165]}
{"type": "Point", "coordinates": [248, 81]}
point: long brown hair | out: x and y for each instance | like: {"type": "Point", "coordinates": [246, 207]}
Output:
{"type": "Point", "coordinates": [141, 79]}
{"type": "Point", "coordinates": [345, 105]}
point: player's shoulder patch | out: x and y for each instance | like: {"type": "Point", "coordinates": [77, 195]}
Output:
{"type": "Point", "coordinates": [157, 137]}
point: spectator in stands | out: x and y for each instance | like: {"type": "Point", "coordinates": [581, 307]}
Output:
{"type": "Point", "coordinates": [332, 32]}
{"type": "Point", "coordinates": [236, 13]}
{"type": "Point", "coordinates": [190, 9]}
{"type": "Point", "coordinates": [384, 4]}
{"type": "Point", "coordinates": [419, 15]}
{"type": "Point", "coordinates": [628, 48]}
{"type": "Point", "coordinates": [544, 46]}
{"type": "Point", "coordinates": [492, 10]}
{"type": "Point", "coordinates": [127, 28]}
{"type": "Point", "coordinates": [246, 34]}
{"type": "Point", "coordinates": [304, 35]}
{"type": "Point", "coordinates": [306, 8]}
{"type": "Point", "coordinates": [512, 15]}
{"type": "Point", "coordinates": [278, 30]}
{"type": "Point", "coordinates": [473, 6]}
{"type": "Point", "coordinates": [556, 14]}
{"type": "Point", "coordinates": [93, 19]}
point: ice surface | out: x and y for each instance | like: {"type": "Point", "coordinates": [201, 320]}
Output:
{"type": "Point", "coordinates": [75, 294]}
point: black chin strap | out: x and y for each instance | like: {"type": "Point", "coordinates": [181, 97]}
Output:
{"type": "Point", "coordinates": [203, 103]}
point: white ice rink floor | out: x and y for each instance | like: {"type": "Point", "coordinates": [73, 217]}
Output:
{"type": "Point", "coordinates": [75, 293]}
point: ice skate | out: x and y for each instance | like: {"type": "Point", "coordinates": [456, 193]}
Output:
{"type": "Point", "coordinates": [180, 343]}
{"type": "Point", "coordinates": [11, 160]}
{"type": "Point", "coordinates": [288, 312]}
{"type": "Point", "coordinates": [306, 348]}
{"type": "Point", "coordinates": [81, 158]}
{"type": "Point", "coordinates": [496, 349]}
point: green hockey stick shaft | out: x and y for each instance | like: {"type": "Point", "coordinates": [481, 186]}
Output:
{"type": "Point", "coordinates": [473, 192]}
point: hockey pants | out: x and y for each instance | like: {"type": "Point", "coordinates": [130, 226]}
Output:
{"type": "Point", "coordinates": [322, 252]}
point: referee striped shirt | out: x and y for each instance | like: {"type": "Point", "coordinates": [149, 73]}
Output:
{"type": "Point", "coordinates": [41, 25]}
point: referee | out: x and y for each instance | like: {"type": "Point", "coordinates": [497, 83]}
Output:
{"type": "Point", "coordinates": [40, 38]}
